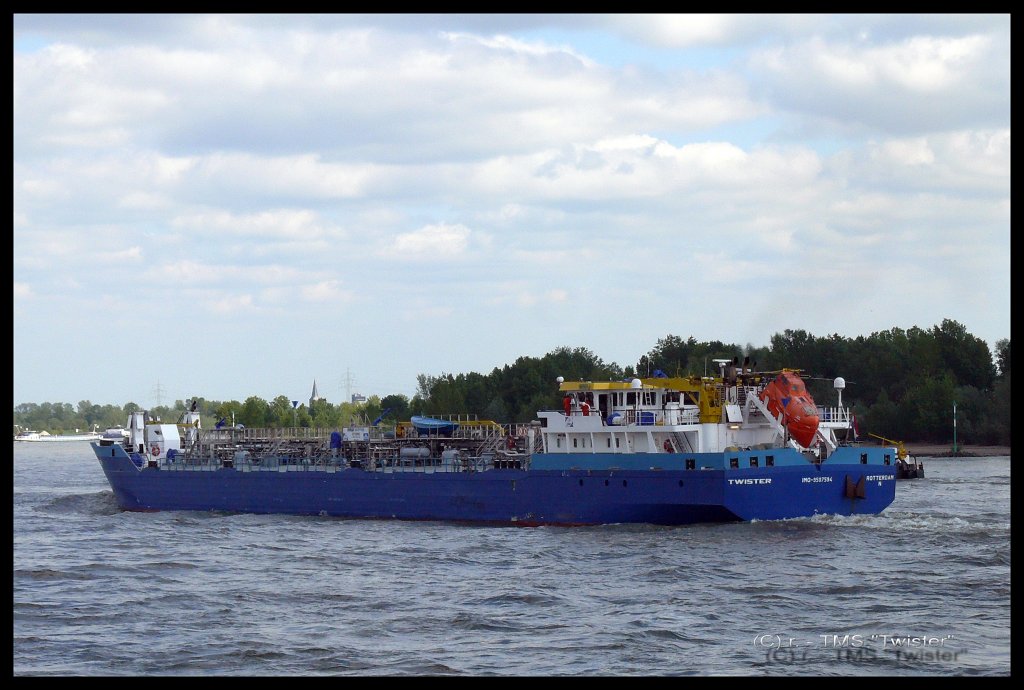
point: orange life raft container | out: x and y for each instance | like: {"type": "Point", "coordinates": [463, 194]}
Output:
{"type": "Point", "coordinates": [788, 395]}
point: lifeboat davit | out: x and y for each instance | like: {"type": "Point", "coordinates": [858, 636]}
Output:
{"type": "Point", "coordinates": [787, 395]}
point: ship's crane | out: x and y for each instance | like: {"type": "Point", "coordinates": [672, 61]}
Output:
{"type": "Point", "coordinates": [901, 451]}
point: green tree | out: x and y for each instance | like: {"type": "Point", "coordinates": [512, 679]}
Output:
{"type": "Point", "coordinates": [965, 356]}
{"type": "Point", "coordinates": [280, 412]}
{"type": "Point", "coordinates": [496, 411]}
{"type": "Point", "coordinates": [903, 380]}
{"type": "Point", "coordinates": [881, 418]}
{"type": "Point", "coordinates": [227, 411]}
{"type": "Point", "coordinates": [372, 408]}
{"type": "Point", "coordinates": [927, 409]}
{"type": "Point", "coordinates": [255, 412]}
{"type": "Point", "coordinates": [397, 406]}
{"type": "Point", "coordinates": [1003, 357]}
{"type": "Point", "coordinates": [670, 354]}
{"type": "Point", "coordinates": [997, 416]}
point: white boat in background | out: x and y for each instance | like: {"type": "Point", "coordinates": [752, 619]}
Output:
{"type": "Point", "coordinates": [45, 436]}
{"type": "Point", "coordinates": [28, 435]}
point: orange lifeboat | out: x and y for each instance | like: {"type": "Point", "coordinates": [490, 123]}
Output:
{"type": "Point", "coordinates": [787, 395]}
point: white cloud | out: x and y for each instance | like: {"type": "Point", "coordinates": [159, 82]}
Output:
{"type": "Point", "coordinates": [303, 176]}
{"type": "Point", "coordinates": [922, 64]}
{"type": "Point", "coordinates": [426, 313]}
{"type": "Point", "coordinates": [640, 167]}
{"type": "Point", "coordinates": [546, 298]}
{"type": "Point", "coordinates": [928, 63]}
{"type": "Point", "coordinates": [301, 225]}
{"type": "Point", "coordinates": [911, 84]}
{"type": "Point", "coordinates": [434, 242]}
{"type": "Point", "coordinates": [510, 44]}
{"type": "Point", "coordinates": [229, 304]}
{"type": "Point", "coordinates": [143, 201]}
{"type": "Point", "coordinates": [679, 30]}
{"type": "Point", "coordinates": [905, 152]}
{"type": "Point", "coordinates": [974, 162]}
{"type": "Point", "coordinates": [326, 291]}
{"type": "Point", "coordinates": [127, 255]}
{"type": "Point", "coordinates": [278, 166]}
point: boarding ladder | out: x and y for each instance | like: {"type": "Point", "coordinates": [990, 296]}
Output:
{"type": "Point", "coordinates": [681, 443]}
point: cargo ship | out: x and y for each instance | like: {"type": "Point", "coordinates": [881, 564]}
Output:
{"type": "Point", "coordinates": [739, 446]}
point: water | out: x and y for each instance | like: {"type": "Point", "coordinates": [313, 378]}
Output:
{"type": "Point", "coordinates": [101, 592]}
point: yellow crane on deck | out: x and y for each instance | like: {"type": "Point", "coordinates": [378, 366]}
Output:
{"type": "Point", "coordinates": [901, 450]}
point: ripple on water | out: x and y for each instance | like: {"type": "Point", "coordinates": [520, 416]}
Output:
{"type": "Point", "coordinates": [96, 503]}
{"type": "Point", "coordinates": [98, 591]}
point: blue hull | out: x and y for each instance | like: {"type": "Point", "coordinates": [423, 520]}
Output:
{"type": "Point", "coordinates": [509, 496]}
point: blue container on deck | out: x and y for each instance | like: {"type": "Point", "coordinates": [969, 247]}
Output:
{"type": "Point", "coordinates": [646, 419]}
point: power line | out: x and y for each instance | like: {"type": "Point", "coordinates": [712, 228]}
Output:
{"type": "Point", "coordinates": [349, 383]}
{"type": "Point", "coordinates": [158, 393]}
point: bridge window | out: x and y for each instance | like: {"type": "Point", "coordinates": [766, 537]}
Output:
{"type": "Point", "coordinates": [631, 398]}
{"type": "Point", "coordinates": [887, 459]}
{"type": "Point", "coordinates": [574, 443]}
{"type": "Point", "coordinates": [863, 458]}
{"type": "Point", "coordinates": [753, 461]}
{"type": "Point", "coordinates": [769, 461]}
{"type": "Point", "coordinates": [734, 463]}
{"type": "Point", "coordinates": [690, 464]}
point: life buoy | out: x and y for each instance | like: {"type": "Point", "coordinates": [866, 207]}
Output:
{"type": "Point", "coordinates": [156, 450]}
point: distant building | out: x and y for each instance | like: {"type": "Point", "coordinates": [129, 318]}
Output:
{"type": "Point", "coordinates": [357, 398]}
{"type": "Point", "coordinates": [314, 397]}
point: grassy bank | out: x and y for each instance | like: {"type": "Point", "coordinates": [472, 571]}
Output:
{"type": "Point", "coordinates": [946, 450]}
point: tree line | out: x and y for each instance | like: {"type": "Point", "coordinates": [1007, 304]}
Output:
{"type": "Point", "coordinates": [900, 384]}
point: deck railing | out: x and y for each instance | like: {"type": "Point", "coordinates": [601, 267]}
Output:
{"type": "Point", "coordinates": [834, 415]}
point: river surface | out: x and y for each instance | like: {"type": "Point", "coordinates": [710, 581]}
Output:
{"type": "Point", "coordinates": [922, 589]}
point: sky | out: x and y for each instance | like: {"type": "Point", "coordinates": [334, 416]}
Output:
{"type": "Point", "coordinates": [227, 206]}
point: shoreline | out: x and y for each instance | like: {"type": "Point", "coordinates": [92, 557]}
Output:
{"type": "Point", "coordinates": [926, 450]}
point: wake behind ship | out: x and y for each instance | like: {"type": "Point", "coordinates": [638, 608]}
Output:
{"type": "Point", "coordinates": [661, 450]}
